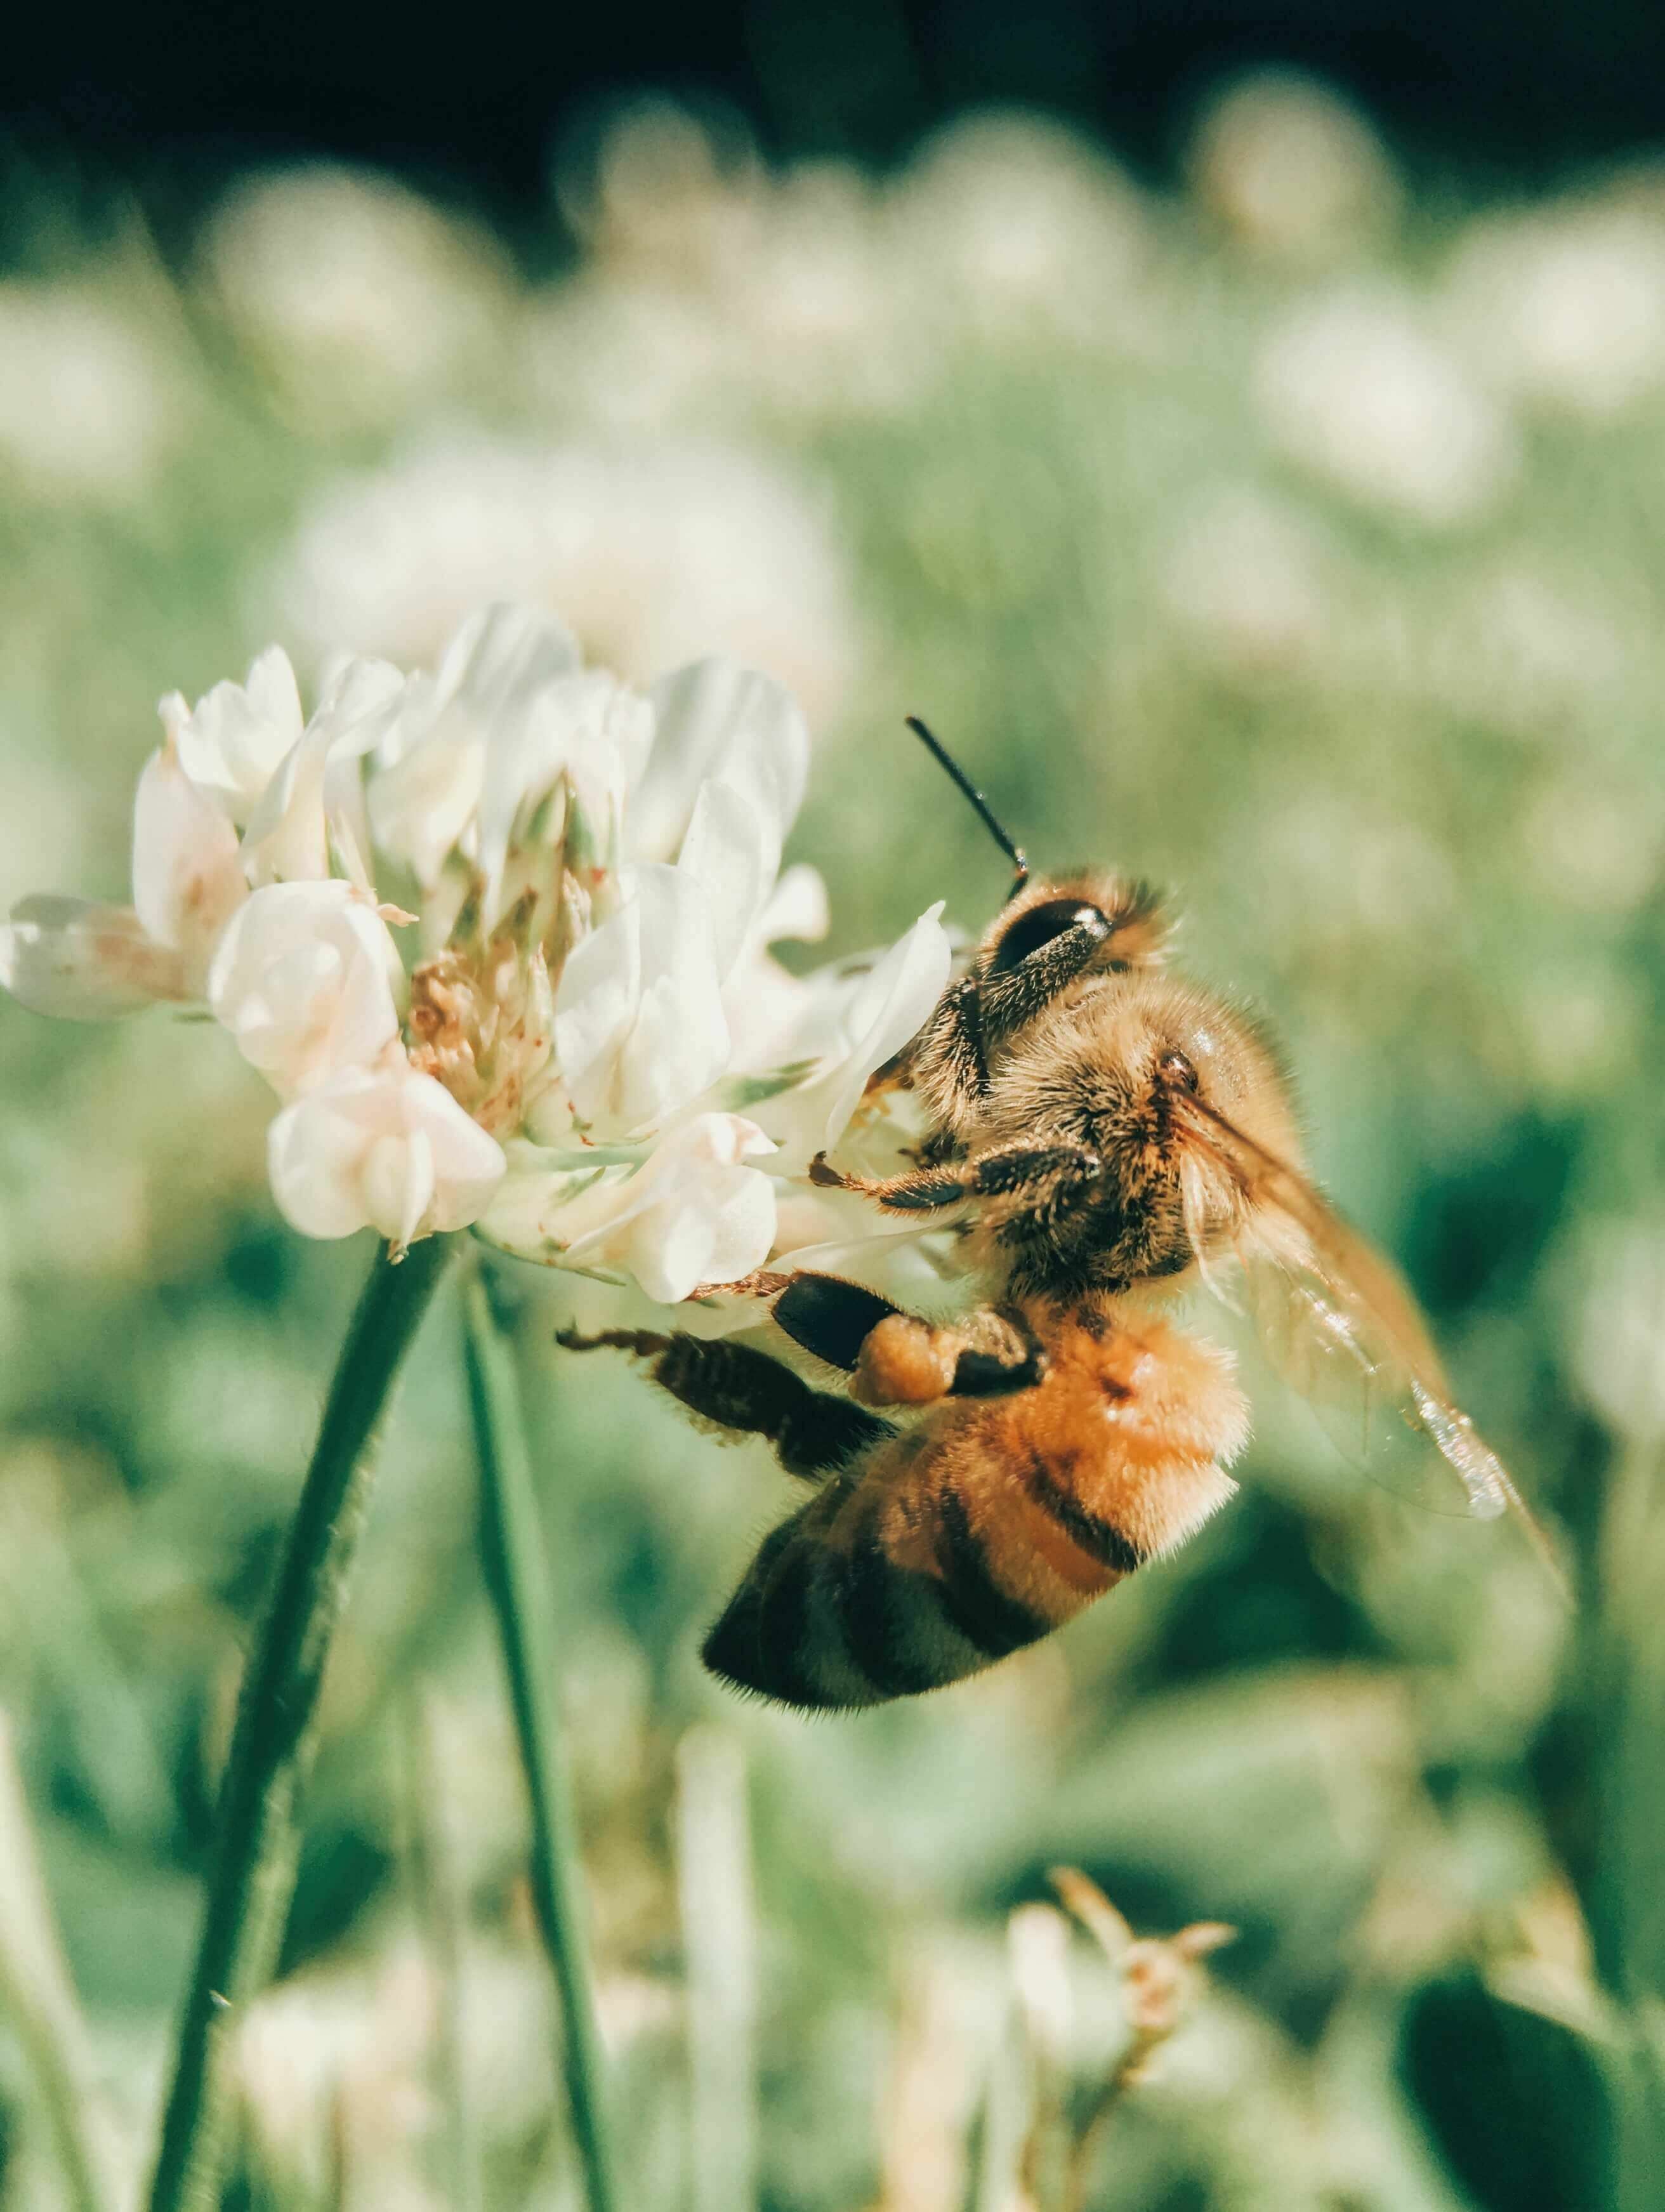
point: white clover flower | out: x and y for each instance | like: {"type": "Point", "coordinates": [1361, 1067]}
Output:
{"type": "Point", "coordinates": [592, 1054]}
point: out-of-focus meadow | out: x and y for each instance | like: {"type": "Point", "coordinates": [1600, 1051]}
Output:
{"type": "Point", "coordinates": [1296, 538]}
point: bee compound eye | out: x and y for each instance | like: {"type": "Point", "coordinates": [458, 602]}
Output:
{"type": "Point", "coordinates": [1040, 926]}
{"type": "Point", "coordinates": [1175, 1069]}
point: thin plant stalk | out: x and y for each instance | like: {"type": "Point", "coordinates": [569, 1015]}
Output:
{"type": "Point", "coordinates": [39, 2002]}
{"type": "Point", "coordinates": [517, 1580]}
{"type": "Point", "coordinates": [257, 1838]}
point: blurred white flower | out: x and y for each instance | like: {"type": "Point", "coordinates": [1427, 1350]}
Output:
{"type": "Point", "coordinates": [1566, 308]}
{"type": "Point", "coordinates": [630, 355]}
{"type": "Point", "coordinates": [823, 315]}
{"type": "Point", "coordinates": [1528, 647]}
{"type": "Point", "coordinates": [1581, 1022]}
{"type": "Point", "coordinates": [599, 879]}
{"type": "Point", "coordinates": [663, 194]}
{"type": "Point", "coordinates": [653, 555]}
{"type": "Point", "coordinates": [1291, 168]}
{"type": "Point", "coordinates": [359, 297]}
{"type": "Point", "coordinates": [1025, 230]}
{"type": "Point", "coordinates": [302, 978]}
{"type": "Point", "coordinates": [1352, 386]}
{"type": "Point", "coordinates": [1595, 845]}
{"type": "Point", "coordinates": [1619, 1345]}
{"type": "Point", "coordinates": [1253, 578]}
{"type": "Point", "coordinates": [711, 289]}
{"type": "Point", "coordinates": [87, 408]}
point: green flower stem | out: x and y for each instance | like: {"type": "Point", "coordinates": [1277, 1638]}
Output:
{"type": "Point", "coordinates": [256, 1837]}
{"type": "Point", "coordinates": [518, 1581]}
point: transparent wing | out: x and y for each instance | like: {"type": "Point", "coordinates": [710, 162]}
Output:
{"type": "Point", "coordinates": [1385, 1414]}
{"type": "Point", "coordinates": [1343, 1331]}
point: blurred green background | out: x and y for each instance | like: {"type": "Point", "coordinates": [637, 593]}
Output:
{"type": "Point", "coordinates": [1292, 535]}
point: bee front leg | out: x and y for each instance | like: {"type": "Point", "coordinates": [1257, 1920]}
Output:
{"type": "Point", "coordinates": [1035, 1174]}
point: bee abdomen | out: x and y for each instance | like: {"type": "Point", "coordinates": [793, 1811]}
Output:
{"type": "Point", "coordinates": [1102, 1541]}
{"type": "Point", "coordinates": [985, 1614]}
{"type": "Point", "coordinates": [818, 1627]}
{"type": "Point", "coordinates": [828, 1619]}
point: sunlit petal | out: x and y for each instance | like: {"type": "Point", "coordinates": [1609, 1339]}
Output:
{"type": "Point", "coordinates": [639, 1024]}
{"type": "Point", "coordinates": [382, 1148]}
{"type": "Point", "coordinates": [186, 880]}
{"type": "Point", "coordinates": [717, 720]}
{"type": "Point", "coordinates": [303, 979]}
{"type": "Point", "coordinates": [694, 1212]}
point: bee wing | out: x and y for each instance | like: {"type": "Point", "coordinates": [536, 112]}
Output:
{"type": "Point", "coordinates": [1343, 1329]}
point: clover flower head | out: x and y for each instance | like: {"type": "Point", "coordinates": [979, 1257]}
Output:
{"type": "Point", "coordinates": [498, 936]}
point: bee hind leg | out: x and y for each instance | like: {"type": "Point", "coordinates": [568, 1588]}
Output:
{"type": "Point", "coordinates": [741, 1391]}
{"type": "Point", "coordinates": [906, 1360]}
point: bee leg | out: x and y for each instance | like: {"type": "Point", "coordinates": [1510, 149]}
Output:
{"type": "Point", "coordinates": [742, 1391]}
{"type": "Point", "coordinates": [1046, 1175]}
{"type": "Point", "coordinates": [829, 1316]}
{"type": "Point", "coordinates": [907, 1361]}
{"type": "Point", "coordinates": [896, 1358]}
{"type": "Point", "coordinates": [1006, 1002]}
{"type": "Point", "coordinates": [950, 1051]}
{"type": "Point", "coordinates": [1002, 1354]}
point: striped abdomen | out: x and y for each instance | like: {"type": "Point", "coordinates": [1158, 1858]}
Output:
{"type": "Point", "coordinates": [945, 1548]}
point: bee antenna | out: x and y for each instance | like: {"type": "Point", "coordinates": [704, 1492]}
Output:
{"type": "Point", "coordinates": [944, 758]}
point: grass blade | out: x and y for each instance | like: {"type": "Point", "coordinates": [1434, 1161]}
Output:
{"type": "Point", "coordinates": [38, 2000]}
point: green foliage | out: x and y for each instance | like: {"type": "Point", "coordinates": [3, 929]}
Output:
{"type": "Point", "coordinates": [1400, 766]}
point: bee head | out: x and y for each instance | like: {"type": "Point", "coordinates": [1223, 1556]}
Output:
{"type": "Point", "coordinates": [1125, 919]}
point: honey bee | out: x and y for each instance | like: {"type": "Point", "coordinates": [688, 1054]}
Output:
{"type": "Point", "coordinates": [1104, 1132]}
